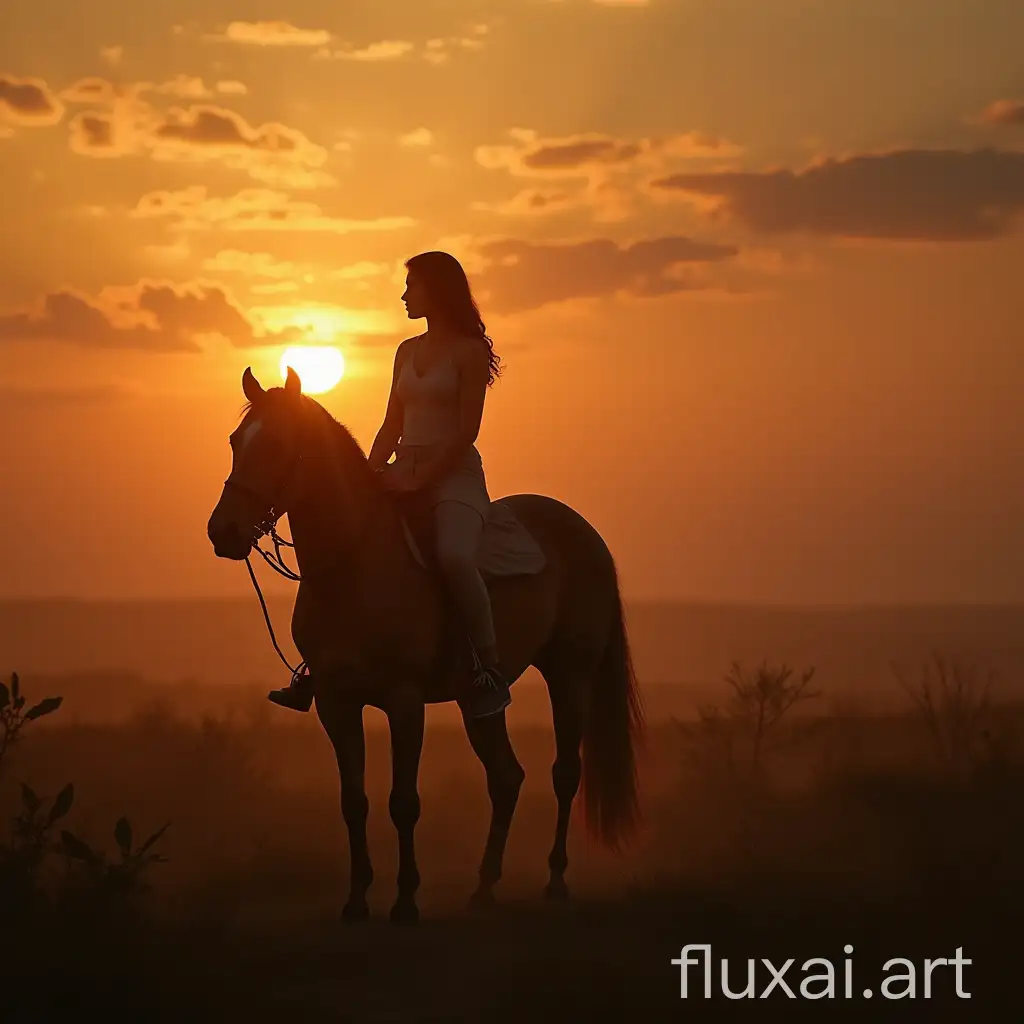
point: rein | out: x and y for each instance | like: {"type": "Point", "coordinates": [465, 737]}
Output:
{"type": "Point", "coordinates": [276, 562]}
{"type": "Point", "coordinates": [268, 527]}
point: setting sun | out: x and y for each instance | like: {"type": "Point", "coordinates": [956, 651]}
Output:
{"type": "Point", "coordinates": [319, 367]}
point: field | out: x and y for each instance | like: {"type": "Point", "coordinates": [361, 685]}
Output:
{"type": "Point", "coordinates": [899, 834]}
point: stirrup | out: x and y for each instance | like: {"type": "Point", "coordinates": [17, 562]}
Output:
{"type": "Point", "coordinates": [298, 694]}
{"type": "Point", "coordinates": [491, 691]}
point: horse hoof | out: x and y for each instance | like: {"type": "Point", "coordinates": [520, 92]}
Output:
{"type": "Point", "coordinates": [556, 890]}
{"type": "Point", "coordinates": [353, 913]}
{"type": "Point", "coordinates": [405, 913]}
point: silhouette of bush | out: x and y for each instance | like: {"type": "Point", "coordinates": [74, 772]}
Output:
{"type": "Point", "coordinates": [953, 701]}
{"type": "Point", "coordinates": [24, 855]}
{"type": "Point", "coordinates": [730, 740]}
{"type": "Point", "coordinates": [14, 717]}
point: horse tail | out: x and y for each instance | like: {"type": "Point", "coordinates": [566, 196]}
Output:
{"type": "Point", "coordinates": [613, 722]}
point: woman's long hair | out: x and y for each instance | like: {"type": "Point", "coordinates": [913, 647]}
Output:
{"type": "Point", "coordinates": [452, 300]}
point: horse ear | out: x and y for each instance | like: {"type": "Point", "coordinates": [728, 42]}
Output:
{"type": "Point", "coordinates": [292, 383]}
{"type": "Point", "coordinates": [251, 387]}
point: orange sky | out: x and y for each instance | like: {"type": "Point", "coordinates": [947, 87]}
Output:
{"type": "Point", "coordinates": [753, 267]}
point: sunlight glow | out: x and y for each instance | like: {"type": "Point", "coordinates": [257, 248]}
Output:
{"type": "Point", "coordinates": [326, 323]}
{"type": "Point", "coordinates": [319, 367]}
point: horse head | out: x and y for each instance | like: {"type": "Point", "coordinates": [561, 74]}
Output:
{"type": "Point", "coordinates": [266, 451]}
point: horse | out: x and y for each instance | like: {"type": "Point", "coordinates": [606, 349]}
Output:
{"type": "Point", "coordinates": [371, 621]}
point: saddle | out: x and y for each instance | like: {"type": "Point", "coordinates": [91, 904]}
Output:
{"type": "Point", "coordinates": [506, 549]}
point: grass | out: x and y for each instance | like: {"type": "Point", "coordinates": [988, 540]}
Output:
{"type": "Point", "coordinates": [852, 830]}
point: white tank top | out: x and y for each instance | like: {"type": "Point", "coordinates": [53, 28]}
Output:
{"type": "Point", "coordinates": [430, 402]}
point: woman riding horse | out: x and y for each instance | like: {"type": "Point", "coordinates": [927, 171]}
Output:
{"type": "Point", "coordinates": [439, 383]}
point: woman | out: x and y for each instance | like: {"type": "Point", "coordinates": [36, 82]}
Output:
{"type": "Point", "coordinates": [438, 387]}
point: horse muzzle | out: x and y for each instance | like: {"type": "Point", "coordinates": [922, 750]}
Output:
{"type": "Point", "coordinates": [229, 541]}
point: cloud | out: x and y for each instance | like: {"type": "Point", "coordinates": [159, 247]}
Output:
{"type": "Point", "coordinates": [95, 91]}
{"type": "Point", "coordinates": [385, 49]}
{"type": "Point", "coordinates": [28, 102]}
{"type": "Point", "coordinates": [923, 195]}
{"type": "Point", "coordinates": [253, 264]}
{"type": "Point", "coordinates": [272, 33]}
{"type": "Point", "coordinates": [1004, 112]}
{"type": "Point", "coordinates": [608, 200]}
{"type": "Point", "coordinates": [600, 168]}
{"type": "Point", "coordinates": [272, 153]}
{"type": "Point", "coordinates": [112, 55]}
{"type": "Point", "coordinates": [531, 202]}
{"type": "Point", "coordinates": [186, 87]}
{"type": "Point", "coordinates": [152, 316]}
{"type": "Point", "coordinates": [419, 137]}
{"type": "Point", "coordinates": [286, 273]}
{"type": "Point", "coordinates": [520, 275]}
{"type": "Point", "coordinates": [95, 135]}
{"type": "Point", "coordinates": [437, 50]}
{"type": "Point", "coordinates": [440, 50]}
{"type": "Point", "coordinates": [100, 92]}
{"type": "Point", "coordinates": [254, 209]}
{"type": "Point", "coordinates": [532, 155]}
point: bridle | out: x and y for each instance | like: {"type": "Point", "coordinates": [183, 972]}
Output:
{"type": "Point", "coordinates": [267, 527]}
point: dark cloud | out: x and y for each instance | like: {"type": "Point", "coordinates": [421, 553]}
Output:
{"type": "Point", "coordinates": [28, 101]}
{"type": "Point", "coordinates": [925, 195]}
{"type": "Point", "coordinates": [532, 155]}
{"type": "Point", "coordinates": [556, 156]}
{"type": "Point", "coordinates": [94, 135]}
{"type": "Point", "coordinates": [1004, 112]}
{"type": "Point", "coordinates": [152, 316]}
{"type": "Point", "coordinates": [271, 153]}
{"type": "Point", "coordinates": [526, 275]}
{"type": "Point", "coordinates": [211, 126]}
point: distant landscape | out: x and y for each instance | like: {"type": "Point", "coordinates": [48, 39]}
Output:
{"type": "Point", "coordinates": [112, 657]}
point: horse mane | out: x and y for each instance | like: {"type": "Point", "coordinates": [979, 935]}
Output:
{"type": "Point", "coordinates": [336, 434]}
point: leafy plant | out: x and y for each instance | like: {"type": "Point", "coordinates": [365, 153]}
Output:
{"type": "Point", "coordinates": [121, 876]}
{"type": "Point", "coordinates": [14, 717]}
{"type": "Point", "coordinates": [22, 858]}
{"type": "Point", "coordinates": [24, 854]}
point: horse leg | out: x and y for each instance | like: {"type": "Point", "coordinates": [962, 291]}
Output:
{"type": "Point", "coordinates": [566, 694]}
{"type": "Point", "coordinates": [489, 739]}
{"type": "Point", "coordinates": [406, 721]}
{"type": "Point", "coordinates": [343, 722]}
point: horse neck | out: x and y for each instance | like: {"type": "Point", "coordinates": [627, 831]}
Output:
{"type": "Point", "coordinates": [340, 520]}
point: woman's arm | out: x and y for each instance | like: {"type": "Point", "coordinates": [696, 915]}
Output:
{"type": "Point", "coordinates": [391, 429]}
{"type": "Point", "coordinates": [473, 369]}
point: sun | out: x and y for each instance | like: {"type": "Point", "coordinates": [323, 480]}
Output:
{"type": "Point", "coordinates": [319, 367]}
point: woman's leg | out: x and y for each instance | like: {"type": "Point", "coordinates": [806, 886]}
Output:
{"type": "Point", "coordinates": [459, 529]}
